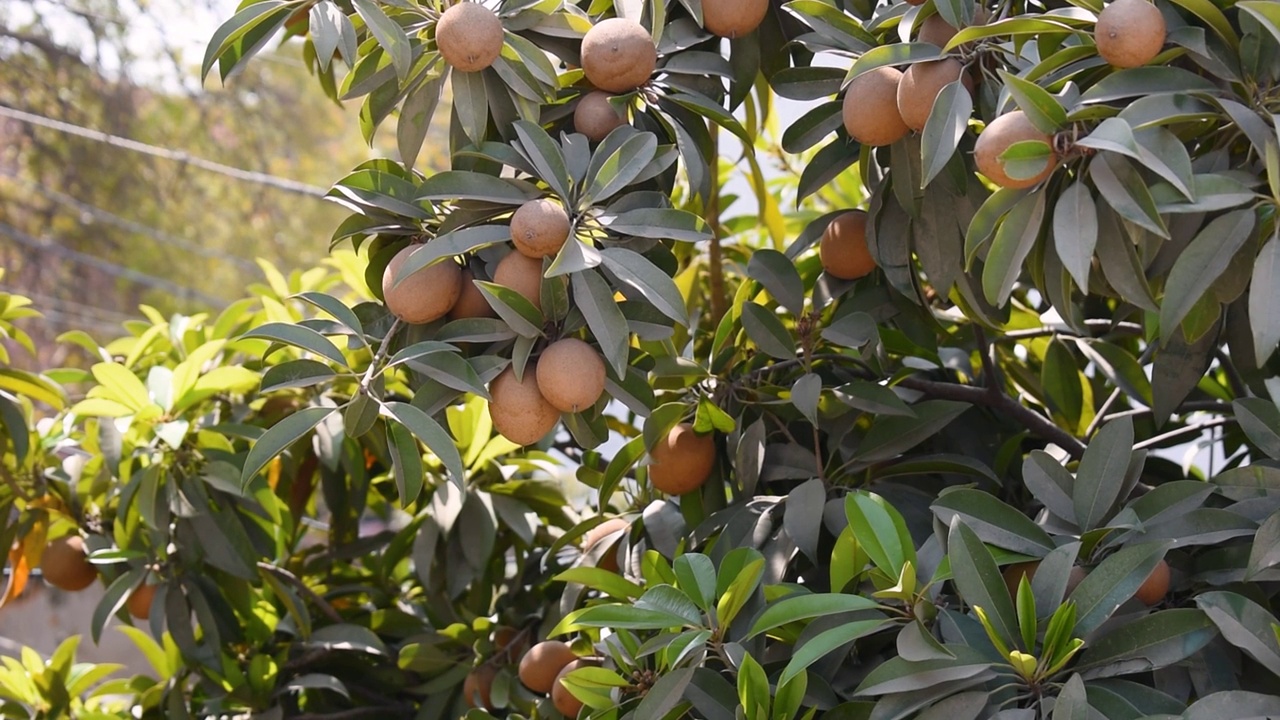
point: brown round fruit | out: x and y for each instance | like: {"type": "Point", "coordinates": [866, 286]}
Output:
{"type": "Point", "coordinates": [565, 702]}
{"type": "Point", "coordinates": [571, 375]}
{"type": "Point", "coordinates": [733, 18]}
{"type": "Point", "coordinates": [477, 686]}
{"type": "Point", "coordinates": [519, 412]}
{"type": "Point", "coordinates": [539, 228]}
{"type": "Point", "coordinates": [522, 274]}
{"type": "Point", "coordinates": [595, 117]}
{"type": "Point", "coordinates": [1014, 573]}
{"type": "Point", "coordinates": [543, 663]}
{"type": "Point", "coordinates": [425, 296]}
{"type": "Point", "coordinates": [843, 249]}
{"type": "Point", "coordinates": [618, 55]}
{"type": "Point", "coordinates": [471, 302]}
{"type": "Point", "coordinates": [1004, 131]}
{"type": "Point", "coordinates": [936, 31]}
{"type": "Point", "coordinates": [609, 560]}
{"type": "Point", "coordinates": [1129, 33]}
{"type": "Point", "coordinates": [469, 36]}
{"type": "Point", "coordinates": [1074, 579]}
{"type": "Point", "coordinates": [1156, 586]}
{"type": "Point", "coordinates": [920, 86]}
{"type": "Point", "coordinates": [682, 461]}
{"type": "Point", "coordinates": [870, 108]}
{"type": "Point", "coordinates": [65, 565]}
{"type": "Point", "coordinates": [139, 602]}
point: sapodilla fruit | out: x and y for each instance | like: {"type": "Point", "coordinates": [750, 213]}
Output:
{"type": "Point", "coordinates": [471, 302]}
{"type": "Point", "coordinates": [65, 565]}
{"type": "Point", "coordinates": [618, 55]}
{"type": "Point", "coordinates": [1129, 33]}
{"type": "Point", "coordinates": [936, 31]}
{"type": "Point", "coordinates": [682, 461]}
{"type": "Point", "coordinates": [425, 296]}
{"type": "Point", "coordinates": [571, 375]}
{"type": "Point", "coordinates": [1156, 586]}
{"type": "Point", "coordinates": [565, 702]}
{"type": "Point", "coordinates": [478, 685]}
{"type": "Point", "coordinates": [595, 117]}
{"type": "Point", "coordinates": [539, 228]}
{"type": "Point", "coordinates": [469, 36]}
{"type": "Point", "coordinates": [519, 412]}
{"type": "Point", "coordinates": [870, 109]}
{"type": "Point", "coordinates": [733, 18]}
{"type": "Point", "coordinates": [609, 560]}
{"type": "Point", "coordinates": [542, 664]}
{"type": "Point", "coordinates": [1013, 576]}
{"type": "Point", "coordinates": [522, 274]}
{"type": "Point", "coordinates": [139, 602]}
{"type": "Point", "coordinates": [843, 248]}
{"type": "Point", "coordinates": [1004, 131]}
{"type": "Point", "coordinates": [920, 86]}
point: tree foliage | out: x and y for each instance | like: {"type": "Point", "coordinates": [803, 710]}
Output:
{"type": "Point", "coordinates": [950, 488]}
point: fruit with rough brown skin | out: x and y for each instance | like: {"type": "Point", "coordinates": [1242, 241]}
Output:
{"type": "Point", "coordinates": [539, 228]}
{"type": "Point", "coordinates": [471, 302]}
{"type": "Point", "coordinates": [565, 702]}
{"type": "Point", "coordinates": [65, 565]}
{"type": "Point", "coordinates": [1004, 131]}
{"type": "Point", "coordinates": [571, 375]}
{"type": "Point", "coordinates": [618, 55]}
{"type": "Point", "coordinates": [870, 110]}
{"type": "Point", "coordinates": [542, 664]}
{"type": "Point", "coordinates": [469, 36]}
{"type": "Point", "coordinates": [1156, 586]}
{"type": "Point", "coordinates": [682, 461]}
{"type": "Point", "coordinates": [733, 18]}
{"type": "Point", "coordinates": [609, 560]}
{"type": "Point", "coordinates": [522, 274]}
{"type": "Point", "coordinates": [519, 412]}
{"type": "Point", "coordinates": [595, 117]}
{"type": "Point", "coordinates": [139, 602]}
{"type": "Point", "coordinates": [843, 248]}
{"type": "Point", "coordinates": [1129, 33]}
{"type": "Point", "coordinates": [478, 685]}
{"type": "Point", "coordinates": [936, 31]}
{"type": "Point", "coordinates": [425, 296]}
{"type": "Point", "coordinates": [920, 86]}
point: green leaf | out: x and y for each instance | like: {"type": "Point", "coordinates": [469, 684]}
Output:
{"type": "Point", "coordinates": [659, 223]}
{"type": "Point", "coordinates": [1062, 382]}
{"type": "Point", "coordinates": [1112, 582]}
{"type": "Point", "coordinates": [1260, 420]}
{"type": "Point", "coordinates": [826, 642]}
{"type": "Point", "coordinates": [406, 463]}
{"type": "Point", "coordinates": [978, 579]}
{"type": "Point", "coordinates": [295, 374]}
{"type": "Point", "coordinates": [437, 440]}
{"type": "Point", "coordinates": [1124, 190]}
{"type": "Point", "coordinates": [514, 308]}
{"type": "Point", "coordinates": [1102, 472]}
{"type": "Point", "coordinates": [389, 35]}
{"type": "Point", "coordinates": [617, 617]}
{"type": "Point", "coordinates": [1245, 624]}
{"type": "Point", "coordinates": [767, 331]}
{"type": "Point", "coordinates": [1073, 701]}
{"type": "Point", "coordinates": [593, 297]}
{"type": "Point", "coordinates": [1042, 109]}
{"type": "Point", "coordinates": [753, 689]}
{"type": "Point", "coordinates": [1014, 240]}
{"type": "Point", "coordinates": [1075, 231]}
{"type": "Point", "coordinates": [696, 577]}
{"type": "Point", "coordinates": [299, 336]}
{"type": "Point", "coordinates": [610, 173]}
{"type": "Point", "coordinates": [1234, 704]}
{"type": "Point", "coordinates": [121, 384]}
{"type": "Point", "coordinates": [943, 129]}
{"type": "Point", "coordinates": [635, 271]}
{"type": "Point", "coordinates": [1264, 297]}
{"type": "Point", "coordinates": [1050, 483]}
{"type": "Point", "coordinates": [237, 27]}
{"type": "Point", "coordinates": [853, 330]}
{"type": "Point", "coordinates": [891, 436]}
{"type": "Point", "coordinates": [898, 675]}
{"type": "Point", "coordinates": [447, 245]}
{"type": "Point", "coordinates": [892, 54]}
{"type": "Point", "coordinates": [1265, 552]}
{"type": "Point", "coordinates": [778, 275]}
{"type": "Point", "coordinates": [739, 591]}
{"type": "Point", "coordinates": [1266, 13]}
{"type": "Point", "coordinates": [545, 155]}
{"type": "Point", "coordinates": [114, 599]}
{"type": "Point", "coordinates": [1200, 265]}
{"type": "Point", "coordinates": [1148, 643]}
{"type": "Point", "coordinates": [802, 607]}
{"type": "Point", "coordinates": [880, 532]}
{"type": "Point", "coordinates": [994, 521]}
{"type": "Point", "coordinates": [279, 437]}
{"type": "Point", "coordinates": [609, 583]}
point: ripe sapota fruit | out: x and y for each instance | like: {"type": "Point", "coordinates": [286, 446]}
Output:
{"type": "Point", "coordinates": [519, 412]}
{"type": "Point", "coordinates": [1129, 33]}
{"type": "Point", "coordinates": [595, 117]}
{"type": "Point", "coordinates": [618, 55]}
{"type": "Point", "coordinates": [471, 302]}
{"type": "Point", "coordinates": [682, 461]}
{"type": "Point", "coordinates": [609, 560]}
{"type": "Point", "coordinates": [65, 565]}
{"type": "Point", "coordinates": [843, 248]}
{"type": "Point", "coordinates": [1003, 132]}
{"type": "Point", "coordinates": [1156, 586]}
{"type": "Point", "coordinates": [920, 86]}
{"type": "Point", "coordinates": [469, 36]}
{"type": "Point", "coordinates": [522, 274]}
{"type": "Point", "coordinates": [565, 702]}
{"type": "Point", "coordinates": [539, 228]}
{"type": "Point", "coordinates": [139, 602]}
{"type": "Point", "coordinates": [936, 31]}
{"type": "Point", "coordinates": [543, 663]}
{"type": "Point", "coordinates": [733, 18]}
{"type": "Point", "coordinates": [870, 109]}
{"type": "Point", "coordinates": [478, 685]}
{"type": "Point", "coordinates": [426, 295]}
{"type": "Point", "coordinates": [571, 375]}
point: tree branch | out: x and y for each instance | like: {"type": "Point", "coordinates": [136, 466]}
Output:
{"type": "Point", "coordinates": [307, 592]}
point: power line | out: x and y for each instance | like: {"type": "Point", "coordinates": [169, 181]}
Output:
{"type": "Point", "coordinates": [285, 184]}
{"type": "Point", "coordinates": [108, 267]}
{"type": "Point", "coordinates": [67, 305]}
{"type": "Point", "coordinates": [129, 225]}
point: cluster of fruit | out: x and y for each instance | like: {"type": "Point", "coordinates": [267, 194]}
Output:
{"type": "Point", "coordinates": [65, 565]}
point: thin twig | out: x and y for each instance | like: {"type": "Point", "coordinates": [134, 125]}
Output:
{"type": "Point", "coordinates": [379, 356]}
{"type": "Point", "coordinates": [1234, 379]}
{"type": "Point", "coordinates": [1189, 429]}
{"type": "Point", "coordinates": [307, 592]}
